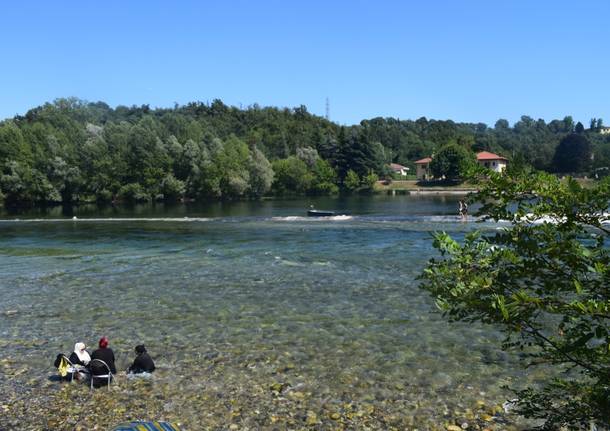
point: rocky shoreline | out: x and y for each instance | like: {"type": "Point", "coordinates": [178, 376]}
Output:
{"type": "Point", "coordinates": [222, 392]}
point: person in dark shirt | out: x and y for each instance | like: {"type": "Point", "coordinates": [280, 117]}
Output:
{"type": "Point", "coordinates": [104, 353]}
{"type": "Point", "coordinates": [143, 363]}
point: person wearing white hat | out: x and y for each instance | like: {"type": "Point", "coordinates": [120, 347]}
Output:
{"type": "Point", "coordinates": [80, 359]}
{"type": "Point", "coordinates": [80, 356]}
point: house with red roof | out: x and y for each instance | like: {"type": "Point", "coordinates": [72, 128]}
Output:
{"type": "Point", "coordinates": [399, 169]}
{"type": "Point", "coordinates": [484, 158]}
{"type": "Point", "coordinates": [492, 161]}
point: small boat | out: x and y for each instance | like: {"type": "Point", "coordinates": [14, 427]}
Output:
{"type": "Point", "coordinates": [319, 213]}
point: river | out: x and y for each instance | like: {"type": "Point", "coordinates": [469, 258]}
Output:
{"type": "Point", "coordinates": [257, 317]}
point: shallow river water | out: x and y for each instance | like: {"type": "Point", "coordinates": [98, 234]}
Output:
{"type": "Point", "coordinates": [257, 318]}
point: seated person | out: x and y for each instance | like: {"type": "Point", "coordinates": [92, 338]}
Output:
{"type": "Point", "coordinates": [80, 356]}
{"type": "Point", "coordinates": [80, 359]}
{"type": "Point", "coordinates": [104, 353]}
{"type": "Point", "coordinates": [143, 363]}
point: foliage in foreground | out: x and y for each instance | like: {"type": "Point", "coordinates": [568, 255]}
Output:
{"type": "Point", "coordinates": [545, 280]}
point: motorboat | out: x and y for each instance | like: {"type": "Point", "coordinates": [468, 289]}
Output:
{"type": "Point", "coordinates": [319, 213]}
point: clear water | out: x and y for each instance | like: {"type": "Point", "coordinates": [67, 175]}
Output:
{"type": "Point", "coordinates": [239, 297]}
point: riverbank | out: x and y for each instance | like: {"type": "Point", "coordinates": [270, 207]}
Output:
{"type": "Point", "coordinates": [233, 390]}
{"type": "Point", "coordinates": [415, 187]}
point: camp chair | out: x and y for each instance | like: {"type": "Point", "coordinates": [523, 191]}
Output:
{"type": "Point", "coordinates": [66, 367]}
{"type": "Point", "coordinates": [146, 426]}
{"type": "Point", "coordinates": [97, 365]}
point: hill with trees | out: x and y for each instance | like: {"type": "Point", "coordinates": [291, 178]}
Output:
{"type": "Point", "coordinates": [72, 150]}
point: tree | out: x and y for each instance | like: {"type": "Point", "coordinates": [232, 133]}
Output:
{"type": "Point", "coordinates": [172, 189]}
{"type": "Point", "coordinates": [573, 154]}
{"type": "Point", "coordinates": [15, 183]}
{"type": "Point", "coordinates": [545, 281]}
{"type": "Point", "coordinates": [132, 193]}
{"type": "Point", "coordinates": [291, 176]}
{"type": "Point", "coordinates": [352, 181]}
{"type": "Point", "coordinates": [65, 178]}
{"type": "Point", "coordinates": [451, 162]}
{"type": "Point", "coordinates": [324, 178]}
{"type": "Point", "coordinates": [13, 146]}
{"type": "Point", "coordinates": [308, 155]}
{"type": "Point", "coordinates": [233, 164]}
{"type": "Point", "coordinates": [21, 184]}
{"type": "Point", "coordinates": [368, 182]}
{"type": "Point", "coordinates": [568, 124]}
{"type": "Point", "coordinates": [261, 173]}
{"type": "Point", "coordinates": [579, 128]}
{"type": "Point", "coordinates": [501, 124]}
{"type": "Point", "coordinates": [355, 153]}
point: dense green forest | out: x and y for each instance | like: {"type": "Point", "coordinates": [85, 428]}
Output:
{"type": "Point", "coordinates": [71, 150]}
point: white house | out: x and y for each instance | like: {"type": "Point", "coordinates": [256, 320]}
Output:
{"type": "Point", "coordinates": [422, 169]}
{"type": "Point", "coordinates": [399, 169]}
{"type": "Point", "coordinates": [492, 161]}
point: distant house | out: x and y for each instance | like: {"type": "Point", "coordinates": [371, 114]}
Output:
{"type": "Point", "coordinates": [604, 130]}
{"type": "Point", "coordinates": [399, 169]}
{"type": "Point", "coordinates": [492, 161]}
{"type": "Point", "coordinates": [422, 169]}
{"type": "Point", "coordinates": [484, 158]}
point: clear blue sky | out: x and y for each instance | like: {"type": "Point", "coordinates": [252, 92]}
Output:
{"type": "Point", "coordinates": [465, 60]}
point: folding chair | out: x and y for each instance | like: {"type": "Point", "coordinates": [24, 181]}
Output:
{"type": "Point", "coordinates": [96, 366]}
{"type": "Point", "coordinates": [66, 367]}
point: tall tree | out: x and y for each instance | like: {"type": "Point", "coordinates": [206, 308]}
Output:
{"type": "Point", "coordinates": [573, 154]}
{"type": "Point", "coordinates": [451, 162]}
{"type": "Point", "coordinates": [545, 281]}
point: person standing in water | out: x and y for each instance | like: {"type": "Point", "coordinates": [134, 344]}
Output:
{"type": "Point", "coordinates": [463, 209]}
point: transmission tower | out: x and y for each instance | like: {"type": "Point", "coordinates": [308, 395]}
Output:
{"type": "Point", "coordinates": [327, 109]}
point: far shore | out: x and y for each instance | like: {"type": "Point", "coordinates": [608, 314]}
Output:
{"type": "Point", "coordinates": [441, 192]}
{"type": "Point", "coordinates": [414, 187]}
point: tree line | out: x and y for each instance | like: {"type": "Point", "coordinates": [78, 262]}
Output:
{"type": "Point", "coordinates": [72, 150]}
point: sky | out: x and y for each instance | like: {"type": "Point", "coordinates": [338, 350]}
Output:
{"type": "Point", "coordinates": [469, 60]}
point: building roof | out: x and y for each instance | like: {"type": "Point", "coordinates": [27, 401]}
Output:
{"type": "Point", "coordinates": [486, 155]}
{"type": "Point", "coordinates": [424, 160]}
{"type": "Point", "coordinates": [396, 166]}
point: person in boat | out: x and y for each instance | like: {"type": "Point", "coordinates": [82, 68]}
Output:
{"type": "Point", "coordinates": [106, 354]}
{"type": "Point", "coordinates": [143, 363]}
